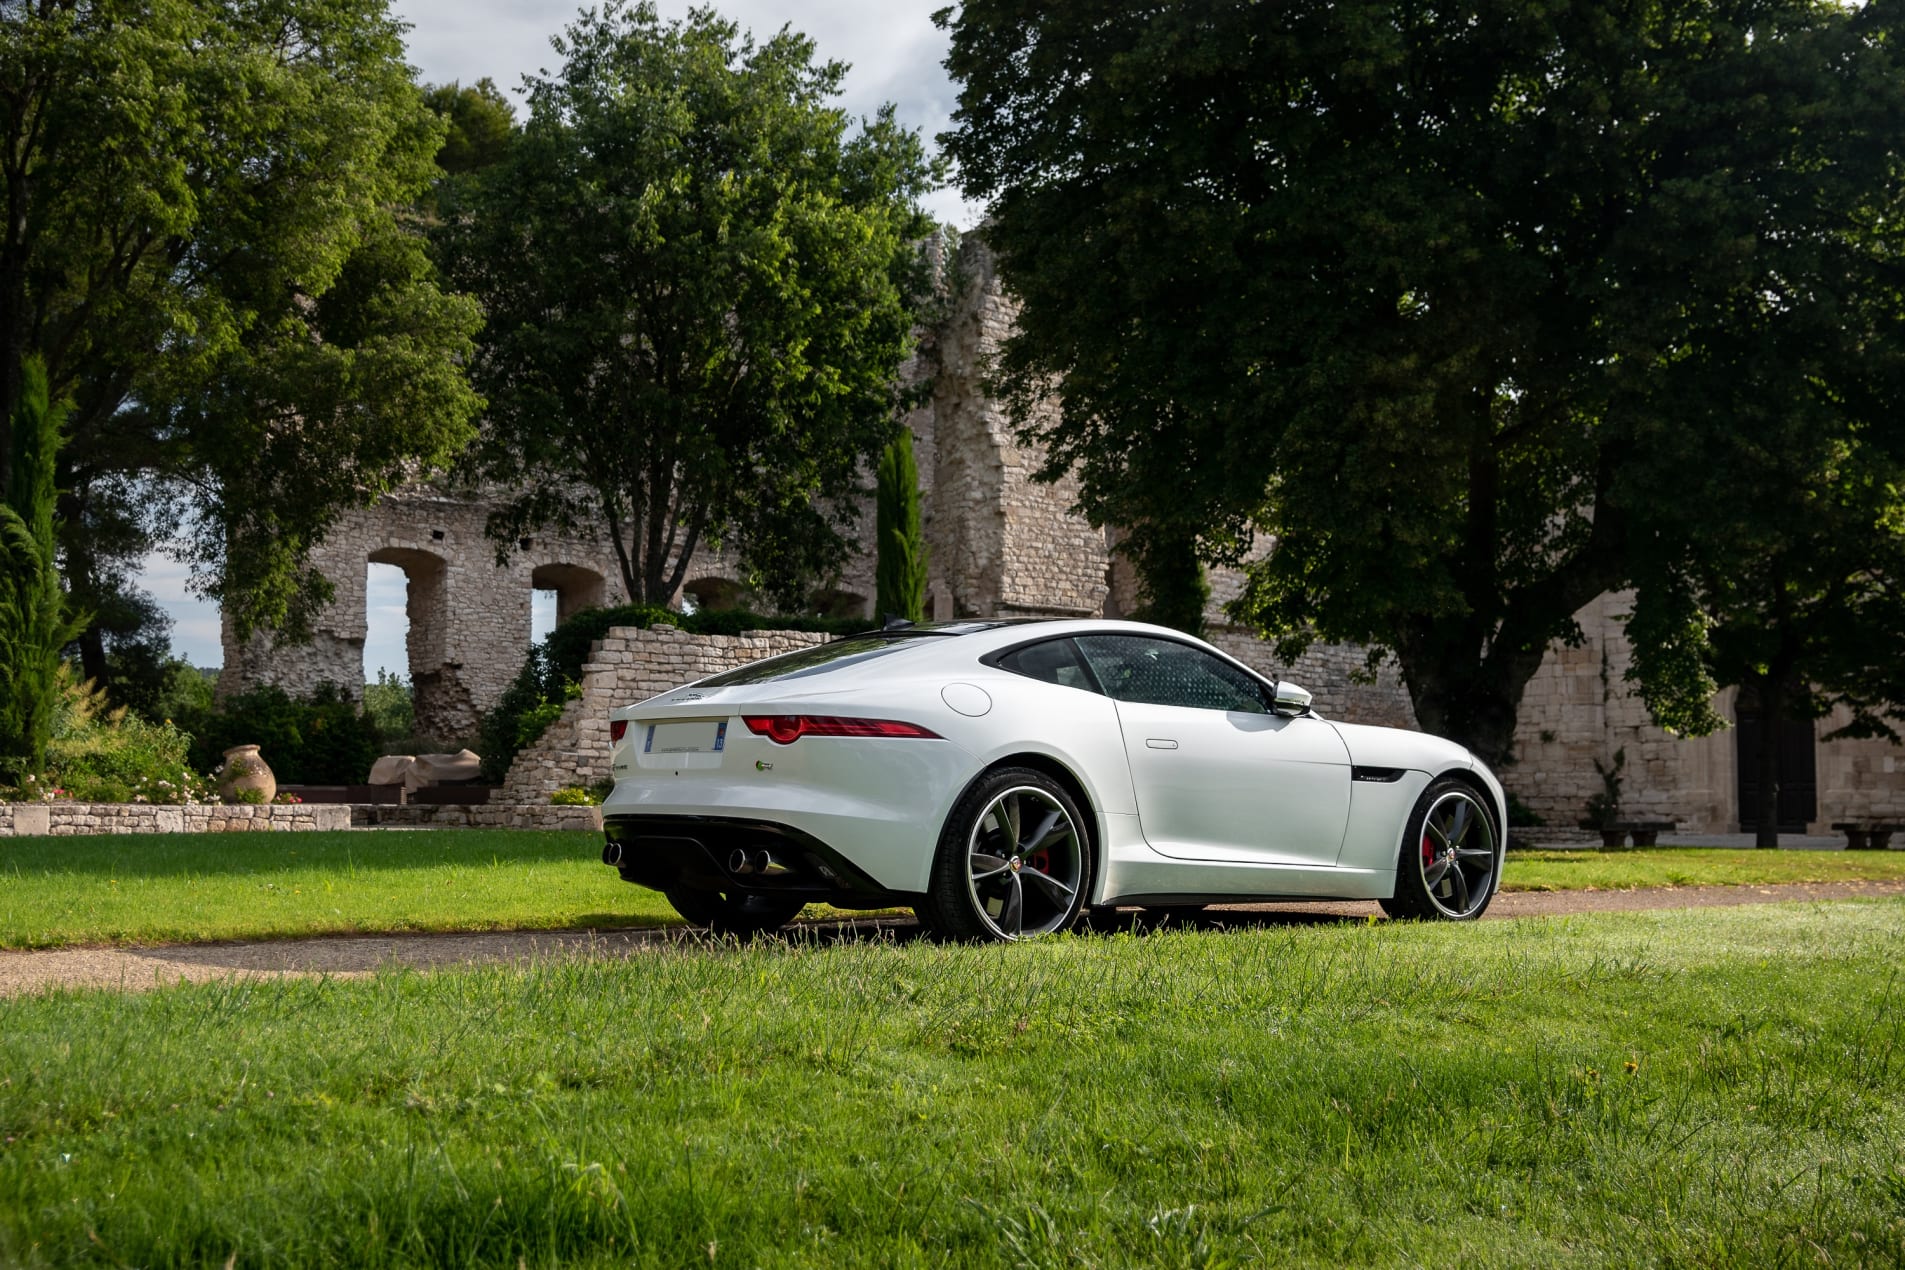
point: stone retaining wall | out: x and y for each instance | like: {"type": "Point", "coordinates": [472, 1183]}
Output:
{"type": "Point", "coordinates": [64, 819]}
{"type": "Point", "coordinates": [625, 666]}
{"type": "Point", "coordinates": [475, 816]}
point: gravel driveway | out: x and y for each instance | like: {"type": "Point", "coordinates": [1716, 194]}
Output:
{"type": "Point", "coordinates": [354, 956]}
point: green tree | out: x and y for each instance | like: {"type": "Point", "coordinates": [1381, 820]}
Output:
{"type": "Point", "coordinates": [388, 706]}
{"type": "Point", "coordinates": [1173, 585]}
{"type": "Point", "coordinates": [900, 568]}
{"type": "Point", "coordinates": [480, 123]}
{"type": "Point", "coordinates": [1401, 287]}
{"type": "Point", "coordinates": [1771, 555]}
{"type": "Point", "coordinates": [696, 283]}
{"type": "Point", "coordinates": [203, 234]}
{"type": "Point", "coordinates": [35, 619]}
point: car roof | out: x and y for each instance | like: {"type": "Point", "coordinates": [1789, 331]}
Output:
{"type": "Point", "coordinates": [984, 635]}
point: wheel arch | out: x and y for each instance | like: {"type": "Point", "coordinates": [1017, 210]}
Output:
{"type": "Point", "coordinates": [1063, 774]}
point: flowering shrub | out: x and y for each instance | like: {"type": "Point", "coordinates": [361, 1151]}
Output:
{"type": "Point", "coordinates": [100, 755]}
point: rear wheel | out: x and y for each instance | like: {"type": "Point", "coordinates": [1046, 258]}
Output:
{"type": "Point", "coordinates": [1450, 853]}
{"type": "Point", "coordinates": [1013, 862]}
{"type": "Point", "coordinates": [737, 913]}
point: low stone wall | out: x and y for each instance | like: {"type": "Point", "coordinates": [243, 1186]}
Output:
{"type": "Point", "coordinates": [475, 816]}
{"type": "Point", "coordinates": [64, 819]}
{"type": "Point", "coordinates": [625, 666]}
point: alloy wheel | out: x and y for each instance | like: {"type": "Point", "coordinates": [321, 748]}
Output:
{"type": "Point", "coordinates": [1458, 854]}
{"type": "Point", "coordinates": [1025, 863]}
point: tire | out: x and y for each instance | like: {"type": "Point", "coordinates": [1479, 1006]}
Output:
{"type": "Point", "coordinates": [741, 914]}
{"type": "Point", "coordinates": [1451, 853]}
{"type": "Point", "coordinates": [1013, 826]}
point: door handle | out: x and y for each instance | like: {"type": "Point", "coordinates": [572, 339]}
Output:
{"type": "Point", "coordinates": [1160, 743]}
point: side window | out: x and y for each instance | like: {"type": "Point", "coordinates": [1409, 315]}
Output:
{"type": "Point", "coordinates": [1161, 672]}
{"type": "Point", "coordinates": [1054, 662]}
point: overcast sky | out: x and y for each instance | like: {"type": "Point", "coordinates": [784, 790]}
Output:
{"type": "Point", "coordinates": [894, 51]}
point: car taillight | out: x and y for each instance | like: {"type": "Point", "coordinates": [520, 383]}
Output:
{"type": "Point", "coordinates": [618, 728]}
{"type": "Point", "coordinates": [785, 729]}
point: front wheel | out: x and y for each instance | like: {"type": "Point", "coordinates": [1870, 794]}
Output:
{"type": "Point", "coordinates": [1013, 861]}
{"type": "Point", "coordinates": [736, 913]}
{"type": "Point", "coordinates": [1450, 852]}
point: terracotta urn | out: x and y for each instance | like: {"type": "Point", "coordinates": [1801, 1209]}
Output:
{"type": "Point", "coordinates": [243, 769]}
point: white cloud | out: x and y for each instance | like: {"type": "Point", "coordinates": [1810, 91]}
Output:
{"type": "Point", "coordinates": [386, 622]}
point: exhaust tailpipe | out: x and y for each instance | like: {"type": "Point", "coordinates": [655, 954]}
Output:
{"type": "Point", "coordinates": [745, 863]}
{"type": "Point", "coordinates": [612, 854]}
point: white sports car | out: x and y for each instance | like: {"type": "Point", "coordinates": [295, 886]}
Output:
{"type": "Point", "coordinates": [1000, 777]}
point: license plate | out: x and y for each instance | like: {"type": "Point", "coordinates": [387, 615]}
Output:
{"type": "Point", "coordinates": [694, 736]}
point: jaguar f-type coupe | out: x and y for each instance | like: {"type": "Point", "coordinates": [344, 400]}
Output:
{"type": "Point", "coordinates": [1002, 777]}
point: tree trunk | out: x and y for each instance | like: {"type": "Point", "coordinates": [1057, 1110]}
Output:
{"type": "Point", "coordinates": [1475, 706]}
{"type": "Point", "coordinates": [92, 657]}
{"type": "Point", "coordinates": [1772, 708]}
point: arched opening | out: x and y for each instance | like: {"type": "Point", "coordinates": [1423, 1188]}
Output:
{"type": "Point", "coordinates": [838, 603]}
{"type": "Point", "coordinates": [706, 594]}
{"type": "Point", "coordinates": [558, 593]}
{"type": "Point", "coordinates": [425, 622]}
{"type": "Point", "coordinates": [386, 624]}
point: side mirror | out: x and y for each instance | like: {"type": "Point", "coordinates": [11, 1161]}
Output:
{"type": "Point", "coordinates": [1291, 700]}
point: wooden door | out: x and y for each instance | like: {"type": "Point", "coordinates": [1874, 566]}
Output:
{"type": "Point", "coordinates": [1798, 773]}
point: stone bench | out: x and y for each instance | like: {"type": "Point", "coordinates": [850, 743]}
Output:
{"type": "Point", "coordinates": [1646, 832]}
{"type": "Point", "coordinates": [1867, 835]}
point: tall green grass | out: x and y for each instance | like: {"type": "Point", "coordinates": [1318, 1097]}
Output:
{"type": "Point", "coordinates": [175, 888]}
{"type": "Point", "coordinates": [1693, 866]}
{"type": "Point", "coordinates": [1721, 1087]}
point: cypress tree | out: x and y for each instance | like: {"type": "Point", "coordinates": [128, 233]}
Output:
{"type": "Point", "coordinates": [900, 571]}
{"type": "Point", "coordinates": [34, 621]}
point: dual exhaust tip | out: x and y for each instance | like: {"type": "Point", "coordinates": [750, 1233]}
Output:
{"type": "Point", "coordinates": [756, 863]}
{"type": "Point", "coordinates": [741, 861]}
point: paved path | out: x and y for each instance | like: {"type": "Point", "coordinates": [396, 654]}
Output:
{"type": "Point", "coordinates": [355, 956]}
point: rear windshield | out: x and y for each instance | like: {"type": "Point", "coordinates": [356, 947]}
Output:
{"type": "Point", "coordinates": [818, 660]}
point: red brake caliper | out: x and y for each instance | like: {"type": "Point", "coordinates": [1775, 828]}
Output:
{"type": "Point", "coordinates": [1428, 850]}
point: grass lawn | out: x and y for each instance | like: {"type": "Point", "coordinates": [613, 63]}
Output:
{"type": "Point", "coordinates": [1692, 866]}
{"type": "Point", "coordinates": [174, 888]}
{"type": "Point", "coordinates": [1715, 1087]}
{"type": "Point", "coordinates": [163, 888]}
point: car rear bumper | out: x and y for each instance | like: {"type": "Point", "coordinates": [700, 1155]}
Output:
{"type": "Point", "coordinates": [719, 853]}
{"type": "Point", "coordinates": [877, 805]}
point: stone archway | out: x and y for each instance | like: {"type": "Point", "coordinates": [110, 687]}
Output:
{"type": "Point", "coordinates": [711, 593]}
{"type": "Point", "coordinates": [577, 587]}
{"type": "Point", "coordinates": [834, 602]}
{"type": "Point", "coordinates": [440, 700]}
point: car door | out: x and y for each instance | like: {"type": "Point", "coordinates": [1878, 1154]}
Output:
{"type": "Point", "coordinates": [1218, 775]}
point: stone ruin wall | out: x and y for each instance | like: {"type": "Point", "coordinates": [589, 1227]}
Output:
{"type": "Point", "coordinates": [1579, 711]}
{"type": "Point", "coordinates": [469, 617]}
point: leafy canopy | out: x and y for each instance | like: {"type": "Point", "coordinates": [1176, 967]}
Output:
{"type": "Point", "coordinates": [205, 242]}
{"type": "Point", "coordinates": [1407, 289]}
{"type": "Point", "coordinates": [696, 282]}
